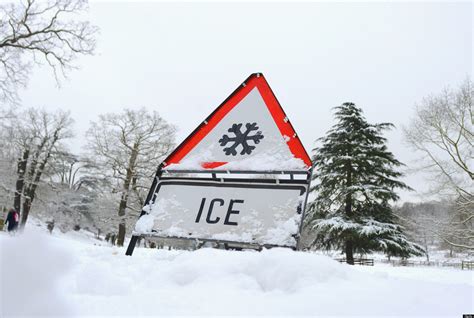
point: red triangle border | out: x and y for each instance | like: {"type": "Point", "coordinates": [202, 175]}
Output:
{"type": "Point", "coordinates": [279, 116]}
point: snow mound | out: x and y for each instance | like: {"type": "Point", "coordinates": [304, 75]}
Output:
{"type": "Point", "coordinates": [31, 272]}
{"type": "Point", "coordinates": [38, 278]}
{"type": "Point", "coordinates": [270, 270]}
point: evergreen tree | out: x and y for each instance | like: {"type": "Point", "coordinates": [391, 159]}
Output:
{"type": "Point", "coordinates": [355, 180]}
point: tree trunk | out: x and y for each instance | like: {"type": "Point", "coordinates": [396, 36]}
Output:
{"type": "Point", "coordinates": [349, 252]}
{"type": "Point", "coordinates": [121, 233]}
{"type": "Point", "coordinates": [124, 199]}
{"type": "Point", "coordinates": [121, 214]}
{"type": "Point", "coordinates": [26, 212]}
{"type": "Point", "coordinates": [20, 181]}
{"type": "Point", "coordinates": [426, 248]}
{"type": "Point", "coordinates": [348, 209]}
{"type": "Point", "coordinates": [35, 173]}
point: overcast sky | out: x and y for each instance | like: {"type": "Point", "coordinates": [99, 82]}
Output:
{"type": "Point", "coordinates": [184, 59]}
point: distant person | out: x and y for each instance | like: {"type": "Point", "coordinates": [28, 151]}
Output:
{"type": "Point", "coordinates": [13, 218]}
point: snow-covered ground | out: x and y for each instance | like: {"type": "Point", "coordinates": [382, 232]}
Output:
{"type": "Point", "coordinates": [75, 275]}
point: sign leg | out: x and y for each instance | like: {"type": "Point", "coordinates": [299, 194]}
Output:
{"type": "Point", "coordinates": [131, 245]}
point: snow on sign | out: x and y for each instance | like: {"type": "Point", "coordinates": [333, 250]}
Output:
{"type": "Point", "coordinates": [248, 130]}
{"type": "Point", "coordinates": [238, 212]}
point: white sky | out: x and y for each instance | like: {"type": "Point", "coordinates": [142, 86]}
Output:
{"type": "Point", "coordinates": [184, 59]}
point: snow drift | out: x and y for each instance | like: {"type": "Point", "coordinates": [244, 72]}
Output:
{"type": "Point", "coordinates": [31, 272]}
{"type": "Point", "coordinates": [101, 280]}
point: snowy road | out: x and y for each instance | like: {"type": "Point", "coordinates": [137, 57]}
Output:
{"type": "Point", "coordinates": [69, 275]}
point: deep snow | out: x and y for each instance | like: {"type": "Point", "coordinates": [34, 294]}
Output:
{"type": "Point", "coordinates": [76, 275]}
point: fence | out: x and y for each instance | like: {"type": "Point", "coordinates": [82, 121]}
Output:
{"type": "Point", "coordinates": [358, 261]}
{"type": "Point", "coordinates": [467, 265]}
{"type": "Point", "coordinates": [462, 265]}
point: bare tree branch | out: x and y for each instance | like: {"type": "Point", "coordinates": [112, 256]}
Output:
{"type": "Point", "coordinates": [443, 131]}
{"type": "Point", "coordinates": [51, 29]}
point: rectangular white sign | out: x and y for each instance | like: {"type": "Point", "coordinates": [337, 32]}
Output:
{"type": "Point", "coordinates": [238, 212]}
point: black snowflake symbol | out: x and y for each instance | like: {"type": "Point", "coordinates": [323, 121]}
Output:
{"type": "Point", "coordinates": [241, 139]}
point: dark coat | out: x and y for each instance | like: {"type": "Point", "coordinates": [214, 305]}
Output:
{"type": "Point", "coordinates": [12, 224]}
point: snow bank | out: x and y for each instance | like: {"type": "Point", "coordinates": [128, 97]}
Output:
{"type": "Point", "coordinates": [31, 275]}
{"type": "Point", "coordinates": [276, 270]}
{"type": "Point", "coordinates": [271, 282]}
{"type": "Point", "coordinates": [103, 281]}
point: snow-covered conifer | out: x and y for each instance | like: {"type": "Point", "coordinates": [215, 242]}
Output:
{"type": "Point", "coordinates": [355, 180]}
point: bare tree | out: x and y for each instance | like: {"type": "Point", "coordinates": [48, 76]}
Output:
{"type": "Point", "coordinates": [130, 145]}
{"type": "Point", "coordinates": [424, 221]}
{"type": "Point", "coordinates": [36, 31]}
{"type": "Point", "coordinates": [443, 131]}
{"type": "Point", "coordinates": [74, 171]}
{"type": "Point", "coordinates": [7, 173]}
{"type": "Point", "coordinates": [33, 138]}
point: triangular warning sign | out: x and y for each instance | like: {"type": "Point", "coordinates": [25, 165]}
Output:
{"type": "Point", "coordinates": [248, 131]}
